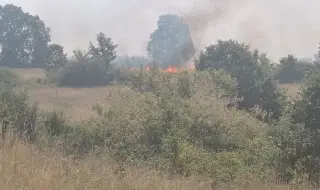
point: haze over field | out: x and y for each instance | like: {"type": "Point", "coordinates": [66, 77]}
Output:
{"type": "Point", "coordinates": [273, 26]}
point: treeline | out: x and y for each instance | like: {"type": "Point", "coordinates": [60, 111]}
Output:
{"type": "Point", "coordinates": [228, 120]}
{"type": "Point", "coordinates": [26, 42]}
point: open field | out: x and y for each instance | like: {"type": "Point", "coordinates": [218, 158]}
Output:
{"type": "Point", "coordinates": [77, 102]}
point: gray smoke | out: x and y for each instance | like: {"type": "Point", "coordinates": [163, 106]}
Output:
{"type": "Point", "coordinates": [278, 27]}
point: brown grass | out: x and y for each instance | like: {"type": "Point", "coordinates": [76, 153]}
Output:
{"type": "Point", "coordinates": [76, 102]}
{"type": "Point", "coordinates": [292, 89]}
{"type": "Point", "coordinates": [23, 166]}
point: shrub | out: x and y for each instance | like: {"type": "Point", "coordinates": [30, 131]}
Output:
{"type": "Point", "coordinates": [181, 134]}
{"type": "Point", "coordinates": [86, 69]}
{"type": "Point", "coordinates": [82, 75]}
{"type": "Point", "coordinates": [16, 114]}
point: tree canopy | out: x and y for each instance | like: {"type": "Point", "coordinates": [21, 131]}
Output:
{"type": "Point", "coordinates": [256, 85]}
{"type": "Point", "coordinates": [24, 38]}
{"type": "Point", "coordinates": [170, 43]}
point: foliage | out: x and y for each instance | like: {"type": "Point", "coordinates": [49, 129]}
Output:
{"type": "Point", "coordinates": [187, 136]}
{"type": "Point", "coordinates": [16, 114]}
{"type": "Point", "coordinates": [291, 70]}
{"type": "Point", "coordinates": [310, 95]}
{"type": "Point", "coordinates": [91, 73]}
{"type": "Point", "coordinates": [56, 58]}
{"type": "Point", "coordinates": [256, 86]}
{"type": "Point", "coordinates": [170, 43]}
{"type": "Point", "coordinates": [182, 123]}
{"type": "Point", "coordinates": [92, 68]}
{"type": "Point", "coordinates": [105, 49]}
{"type": "Point", "coordinates": [24, 38]}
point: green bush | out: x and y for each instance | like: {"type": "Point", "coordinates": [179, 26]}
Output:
{"type": "Point", "coordinates": [86, 69]}
{"type": "Point", "coordinates": [181, 134]}
{"type": "Point", "coordinates": [82, 75]}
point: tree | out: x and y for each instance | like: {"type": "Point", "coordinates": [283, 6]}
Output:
{"type": "Point", "coordinates": [80, 55]}
{"type": "Point", "coordinates": [92, 68]}
{"type": "Point", "coordinates": [256, 85]}
{"type": "Point", "coordinates": [307, 112]}
{"type": "Point", "coordinates": [55, 58]}
{"type": "Point", "coordinates": [105, 48]}
{"type": "Point", "coordinates": [171, 43]}
{"type": "Point", "coordinates": [291, 69]}
{"type": "Point", "coordinates": [310, 98]}
{"type": "Point", "coordinates": [23, 39]}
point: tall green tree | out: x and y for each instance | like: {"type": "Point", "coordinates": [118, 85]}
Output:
{"type": "Point", "coordinates": [105, 49]}
{"type": "Point", "coordinates": [171, 43]}
{"type": "Point", "coordinates": [256, 85]}
{"type": "Point", "coordinates": [24, 38]}
{"type": "Point", "coordinates": [56, 57]}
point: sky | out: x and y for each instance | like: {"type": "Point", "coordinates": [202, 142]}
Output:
{"type": "Point", "coordinates": [278, 27]}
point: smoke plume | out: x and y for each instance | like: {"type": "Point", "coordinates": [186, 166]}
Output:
{"type": "Point", "coordinates": [278, 27]}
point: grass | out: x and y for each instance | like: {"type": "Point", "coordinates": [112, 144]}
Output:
{"type": "Point", "coordinates": [292, 89]}
{"type": "Point", "coordinates": [23, 166]}
{"type": "Point", "coordinates": [76, 102]}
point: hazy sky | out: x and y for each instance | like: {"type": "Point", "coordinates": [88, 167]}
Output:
{"type": "Point", "coordinates": [278, 27]}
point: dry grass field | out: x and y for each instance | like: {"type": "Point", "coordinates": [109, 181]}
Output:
{"type": "Point", "coordinates": [76, 102]}
{"type": "Point", "coordinates": [23, 166]}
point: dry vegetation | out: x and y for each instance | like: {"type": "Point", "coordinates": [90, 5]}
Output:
{"type": "Point", "coordinates": [102, 123]}
{"type": "Point", "coordinates": [292, 88]}
{"type": "Point", "coordinates": [23, 166]}
{"type": "Point", "coordinates": [75, 102]}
